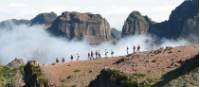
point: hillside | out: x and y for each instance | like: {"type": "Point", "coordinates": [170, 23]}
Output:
{"type": "Point", "coordinates": [152, 65]}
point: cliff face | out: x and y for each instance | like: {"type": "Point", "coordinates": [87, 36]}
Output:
{"type": "Point", "coordinates": [74, 25]}
{"type": "Point", "coordinates": [182, 23]}
{"type": "Point", "coordinates": [191, 29]}
{"type": "Point", "coordinates": [135, 24]}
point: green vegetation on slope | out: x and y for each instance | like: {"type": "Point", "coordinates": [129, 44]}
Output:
{"type": "Point", "coordinates": [8, 75]}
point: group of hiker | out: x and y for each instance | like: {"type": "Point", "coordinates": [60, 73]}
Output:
{"type": "Point", "coordinates": [135, 49]}
{"type": "Point", "coordinates": [72, 57]}
{"type": "Point", "coordinates": [97, 54]}
{"type": "Point", "coordinates": [92, 55]}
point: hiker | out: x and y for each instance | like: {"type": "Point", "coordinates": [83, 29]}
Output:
{"type": "Point", "coordinates": [96, 54]}
{"type": "Point", "coordinates": [72, 57]}
{"type": "Point", "coordinates": [63, 59]}
{"type": "Point", "coordinates": [78, 56]}
{"type": "Point", "coordinates": [106, 52]}
{"type": "Point", "coordinates": [133, 49]}
{"type": "Point", "coordinates": [92, 58]}
{"type": "Point", "coordinates": [112, 53]}
{"type": "Point", "coordinates": [57, 60]}
{"type": "Point", "coordinates": [127, 50]}
{"type": "Point", "coordinates": [99, 54]}
{"type": "Point", "coordinates": [138, 48]}
{"type": "Point", "coordinates": [89, 56]}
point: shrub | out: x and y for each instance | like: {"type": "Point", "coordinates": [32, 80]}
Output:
{"type": "Point", "coordinates": [77, 70]}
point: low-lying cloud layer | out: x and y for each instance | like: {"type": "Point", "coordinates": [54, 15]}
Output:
{"type": "Point", "coordinates": [34, 42]}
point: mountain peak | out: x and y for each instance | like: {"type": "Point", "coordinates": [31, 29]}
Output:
{"type": "Point", "coordinates": [44, 18]}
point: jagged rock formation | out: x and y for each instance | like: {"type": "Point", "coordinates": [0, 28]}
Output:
{"type": "Point", "coordinates": [44, 18]}
{"type": "Point", "coordinates": [183, 22]}
{"type": "Point", "coordinates": [16, 63]}
{"type": "Point", "coordinates": [135, 24]}
{"type": "Point", "coordinates": [74, 25]}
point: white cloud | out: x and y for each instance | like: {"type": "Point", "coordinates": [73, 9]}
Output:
{"type": "Point", "coordinates": [33, 42]}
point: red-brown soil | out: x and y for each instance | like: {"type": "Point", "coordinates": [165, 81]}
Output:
{"type": "Point", "coordinates": [152, 63]}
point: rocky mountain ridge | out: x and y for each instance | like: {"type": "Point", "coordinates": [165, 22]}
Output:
{"type": "Point", "coordinates": [182, 23]}
{"type": "Point", "coordinates": [71, 25]}
{"type": "Point", "coordinates": [75, 25]}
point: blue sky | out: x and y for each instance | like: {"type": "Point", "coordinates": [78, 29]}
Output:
{"type": "Point", "coordinates": [115, 11]}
